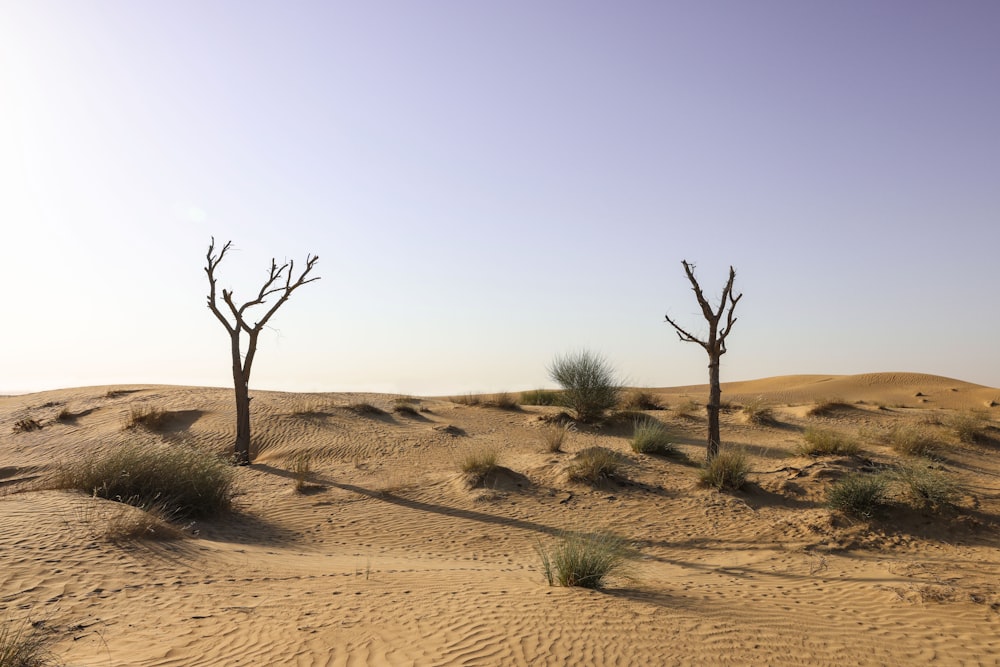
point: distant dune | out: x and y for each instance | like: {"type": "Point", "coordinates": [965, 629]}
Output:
{"type": "Point", "coordinates": [390, 557]}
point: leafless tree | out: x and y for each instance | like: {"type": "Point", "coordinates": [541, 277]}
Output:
{"type": "Point", "coordinates": [279, 281]}
{"type": "Point", "coordinates": [715, 345]}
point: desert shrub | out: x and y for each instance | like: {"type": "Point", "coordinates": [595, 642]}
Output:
{"type": "Point", "coordinates": [541, 397]}
{"type": "Point", "coordinates": [477, 464]}
{"type": "Point", "coordinates": [926, 487]}
{"type": "Point", "coordinates": [824, 442]}
{"type": "Point", "coordinates": [859, 494]}
{"type": "Point", "coordinates": [182, 482]}
{"type": "Point", "coordinates": [727, 471]}
{"type": "Point", "coordinates": [826, 406]}
{"type": "Point", "coordinates": [594, 464]}
{"type": "Point", "coordinates": [146, 416]}
{"type": "Point", "coordinates": [554, 436]}
{"type": "Point", "coordinates": [638, 399]}
{"type": "Point", "coordinates": [25, 425]}
{"type": "Point", "coordinates": [969, 427]}
{"type": "Point", "coordinates": [757, 413]}
{"type": "Point", "coordinates": [651, 437]}
{"type": "Point", "coordinates": [590, 386]}
{"type": "Point", "coordinates": [503, 400]}
{"type": "Point", "coordinates": [24, 644]}
{"type": "Point", "coordinates": [689, 408]}
{"type": "Point", "coordinates": [911, 441]}
{"type": "Point", "coordinates": [467, 399]}
{"type": "Point", "coordinates": [583, 560]}
{"type": "Point", "coordinates": [366, 409]}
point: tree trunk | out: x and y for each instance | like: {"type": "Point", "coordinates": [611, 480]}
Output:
{"type": "Point", "coordinates": [713, 407]}
{"type": "Point", "coordinates": [241, 450]}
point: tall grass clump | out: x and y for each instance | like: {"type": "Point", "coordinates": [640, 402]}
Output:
{"type": "Point", "coordinates": [583, 560]}
{"type": "Point", "coordinates": [23, 645]}
{"type": "Point", "coordinates": [182, 482]}
{"type": "Point", "coordinates": [969, 427]}
{"type": "Point", "coordinates": [554, 436]}
{"type": "Point", "coordinates": [824, 442]}
{"type": "Point", "coordinates": [590, 385]}
{"type": "Point", "coordinates": [727, 471]}
{"type": "Point", "coordinates": [541, 397]}
{"type": "Point", "coordinates": [826, 406]}
{"type": "Point", "coordinates": [926, 487]}
{"type": "Point", "coordinates": [859, 494]}
{"type": "Point", "coordinates": [756, 413]}
{"type": "Point", "coordinates": [503, 400]}
{"type": "Point", "coordinates": [148, 417]}
{"type": "Point", "coordinates": [650, 436]}
{"type": "Point", "coordinates": [595, 464]}
{"type": "Point", "coordinates": [689, 409]}
{"type": "Point", "coordinates": [912, 441]}
{"type": "Point", "coordinates": [639, 399]}
{"type": "Point", "coordinates": [477, 464]}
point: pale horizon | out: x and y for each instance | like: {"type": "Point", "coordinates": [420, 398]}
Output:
{"type": "Point", "coordinates": [489, 186]}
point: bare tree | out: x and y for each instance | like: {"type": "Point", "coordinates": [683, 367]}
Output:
{"type": "Point", "coordinates": [279, 281]}
{"type": "Point", "coordinates": [715, 345]}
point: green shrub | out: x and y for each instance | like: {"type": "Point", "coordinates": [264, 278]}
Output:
{"type": "Point", "coordinates": [859, 494]}
{"type": "Point", "coordinates": [541, 397]}
{"type": "Point", "coordinates": [183, 482]}
{"type": "Point", "coordinates": [590, 386]}
{"type": "Point", "coordinates": [824, 442]}
{"type": "Point", "coordinates": [926, 487]}
{"type": "Point", "coordinates": [727, 471]}
{"type": "Point", "coordinates": [651, 437]}
{"type": "Point", "coordinates": [583, 560]}
{"type": "Point", "coordinates": [594, 464]}
{"type": "Point", "coordinates": [24, 645]}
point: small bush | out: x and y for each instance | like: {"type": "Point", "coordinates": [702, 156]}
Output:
{"type": "Point", "coordinates": [477, 464]}
{"type": "Point", "coordinates": [25, 425]}
{"type": "Point", "coordinates": [590, 386]}
{"type": "Point", "coordinates": [859, 495]}
{"type": "Point", "coordinates": [638, 399]}
{"type": "Point", "coordinates": [467, 399]}
{"type": "Point", "coordinates": [926, 487]}
{"type": "Point", "coordinates": [502, 400]}
{"type": "Point", "coordinates": [583, 560]}
{"type": "Point", "coordinates": [554, 436]}
{"type": "Point", "coordinates": [755, 412]}
{"type": "Point", "coordinates": [826, 406]}
{"type": "Point", "coordinates": [690, 409]}
{"type": "Point", "coordinates": [969, 427]}
{"type": "Point", "coordinates": [911, 441]}
{"type": "Point", "coordinates": [366, 410]}
{"type": "Point", "coordinates": [823, 442]}
{"type": "Point", "coordinates": [183, 482]}
{"type": "Point", "coordinates": [594, 464]}
{"type": "Point", "coordinates": [147, 417]}
{"type": "Point", "coordinates": [651, 437]}
{"type": "Point", "coordinates": [24, 645]}
{"type": "Point", "coordinates": [541, 397]}
{"type": "Point", "coordinates": [727, 471]}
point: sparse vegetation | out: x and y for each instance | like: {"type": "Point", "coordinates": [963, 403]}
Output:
{"type": "Point", "coordinates": [639, 399]}
{"type": "Point", "coordinates": [824, 442]}
{"type": "Point", "coordinates": [927, 487]}
{"type": "Point", "coordinates": [554, 436]}
{"type": "Point", "coordinates": [583, 560]}
{"type": "Point", "coordinates": [143, 415]}
{"type": "Point", "coordinates": [650, 436]}
{"type": "Point", "coordinates": [23, 644]}
{"type": "Point", "coordinates": [477, 464]}
{"type": "Point", "coordinates": [467, 399]}
{"type": "Point", "coordinates": [727, 471]}
{"type": "Point", "coordinates": [65, 416]}
{"type": "Point", "coordinates": [911, 441]}
{"type": "Point", "coordinates": [594, 464]}
{"type": "Point", "coordinates": [181, 482]}
{"type": "Point", "coordinates": [406, 409]}
{"type": "Point", "coordinates": [690, 409]}
{"type": "Point", "coordinates": [541, 397]}
{"type": "Point", "coordinates": [859, 494]}
{"type": "Point", "coordinates": [25, 425]}
{"type": "Point", "coordinates": [302, 472]}
{"type": "Point", "coordinates": [826, 406]}
{"type": "Point", "coordinates": [968, 427]}
{"type": "Point", "coordinates": [124, 523]}
{"type": "Point", "coordinates": [590, 385]}
{"type": "Point", "coordinates": [757, 413]}
{"type": "Point", "coordinates": [502, 400]}
{"type": "Point", "coordinates": [366, 410]}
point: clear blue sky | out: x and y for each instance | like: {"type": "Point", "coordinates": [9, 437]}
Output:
{"type": "Point", "coordinates": [490, 184]}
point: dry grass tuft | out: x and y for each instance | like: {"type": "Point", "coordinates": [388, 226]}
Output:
{"type": "Point", "coordinates": [502, 400]}
{"type": "Point", "coordinates": [968, 427]}
{"type": "Point", "coordinates": [757, 413]}
{"type": "Point", "coordinates": [554, 436]}
{"type": "Point", "coordinates": [477, 464]}
{"type": "Point", "coordinates": [638, 399]}
{"type": "Point", "coordinates": [24, 644]}
{"type": "Point", "coordinates": [651, 437]}
{"type": "Point", "coordinates": [927, 487]}
{"type": "Point", "coordinates": [366, 410]}
{"type": "Point", "coordinates": [25, 425]}
{"type": "Point", "coordinates": [690, 409]}
{"type": "Point", "coordinates": [541, 397]}
{"type": "Point", "coordinates": [912, 441]}
{"type": "Point", "coordinates": [827, 406]}
{"type": "Point", "coordinates": [859, 495]}
{"type": "Point", "coordinates": [148, 417]}
{"type": "Point", "coordinates": [595, 464]}
{"type": "Point", "coordinates": [727, 471]}
{"type": "Point", "coordinates": [824, 442]}
{"type": "Point", "coordinates": [583, 560]}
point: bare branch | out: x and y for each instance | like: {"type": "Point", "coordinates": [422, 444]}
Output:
{"type": "Point", "coordinates": [684, 335]}
{"type": "Point", "coordinates": [213, 261]}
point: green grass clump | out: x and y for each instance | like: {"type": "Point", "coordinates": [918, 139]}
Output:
{"type": "Point", "coordinates": [859, 494]}
{"type": "Point", "coordinates": [727, 471]}
{"type": "Point", "coordinates": [182, 482]}
{"type": "Point", "coordinates": [477, 464]}
{"type": "Point", "coordinates": [24, 645]}
{"type": "Point", "coordinates": [651, 437]}
{"type": "Point", "coordinates": [926, 487]}
{"type": "Point", "coordinates": [541, 397]}
{"type": "Point", "coordinates": [639, 399]}
{"type": "Point", "coordinates": [595, 464]}
{"type": "Point", "coordinates": [590, 386]}
{"type": "Point", "coordinates": [583, 560]}
{"type": "Point", "coordinates": [912, 441]}
{"type": "Point", "coordinates": [824, 442]}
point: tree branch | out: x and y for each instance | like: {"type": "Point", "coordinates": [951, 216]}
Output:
{"type": "Point", "coordinates": [212, 261]}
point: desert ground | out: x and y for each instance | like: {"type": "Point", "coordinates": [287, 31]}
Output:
{"type": "Point", "coordinates": [381, 552]}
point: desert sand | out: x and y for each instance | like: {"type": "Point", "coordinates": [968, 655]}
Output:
{"type": "Point", "coordinates": [390, 558]}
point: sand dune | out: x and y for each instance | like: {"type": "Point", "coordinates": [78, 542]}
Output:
{"type": "Point", "coordinates": [392, 560]}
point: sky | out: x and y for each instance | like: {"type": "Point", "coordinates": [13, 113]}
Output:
{"type": "Point", "coordinates": [489, 185]}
